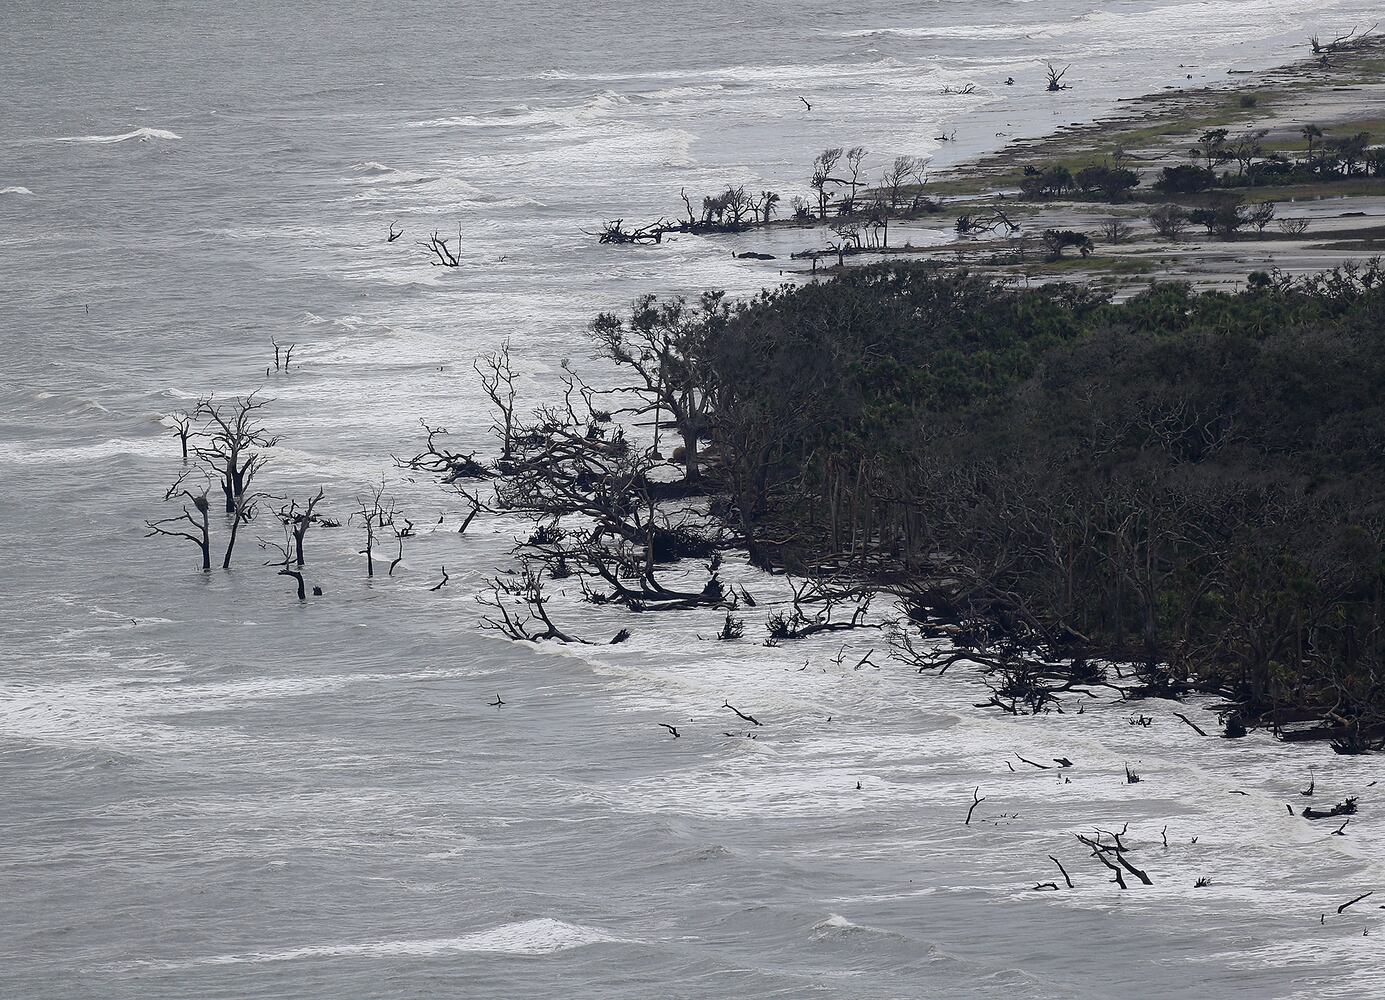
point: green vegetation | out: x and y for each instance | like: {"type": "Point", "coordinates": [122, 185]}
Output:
{"type": "Point", "coordinates": [1191, 483]}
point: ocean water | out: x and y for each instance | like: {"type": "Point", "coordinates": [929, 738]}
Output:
{"type": "Point", "coordinates": [207, 790]}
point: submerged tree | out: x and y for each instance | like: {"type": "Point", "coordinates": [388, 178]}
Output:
{"type": "Point", "coordinates": [182, 426]}
{"type": "Point", "coordinates": [234, 437]}
{"type": "Point", "coordinates": [247, 503]}
{"type": "Point", "coordinates": [375, 513]}
{"type": "Point", "coordinates": [297, 517]}
{"type": "Point", "coordinates": [193, 527]}
{"type": "Point", "coordinates": [284, 559]}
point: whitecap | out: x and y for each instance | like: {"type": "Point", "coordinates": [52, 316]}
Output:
{"type": "Point", "coordinates": [837, 926]}
{"type": "Point", "coordinates": [541, 936]}
{"type": "Point", "coordinates": [15, 190]}
{"type": "Point", "coordinates": [142, 134]}
{"type": "Point", "coordinates": [372, 169]}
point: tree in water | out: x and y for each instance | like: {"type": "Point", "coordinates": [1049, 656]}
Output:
{"type": "Point", "coordinates": [498, 383]}
{"type": "Point", "coordinates": [182, 426]}
{"type": "Point", "coordinates": [234, 436]}
{"type": "Point", "coordinates": [283, 558]}
{"type": "Point", "coordinates": [191, 525]}
{"type": "Point", "coordinates": [297, 518]}
{"type": "Point", "coordinates": [247, 503]}
{"type": "Point", "coordinates": [375, 513]}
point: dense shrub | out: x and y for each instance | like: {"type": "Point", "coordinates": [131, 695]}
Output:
{"type": "Point", "coordinates": [1185, 179]}
{"type": "Point", "coordinates": [1192, 480]}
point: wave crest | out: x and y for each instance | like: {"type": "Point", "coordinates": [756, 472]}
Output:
{"type": "Point", "coordinates": [139, 134]}
{"type": "Point", "coordinates": [540, 936]}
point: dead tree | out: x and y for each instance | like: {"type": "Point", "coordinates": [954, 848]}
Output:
{"type": "Point", "coordinates": [284, 350]}
{"type": "Point", "coordinates": [247, 504]}
{"type": "Point", "coordinates": [393, 235]}
{"type": "Point", "coordinates": [893, 183]}
{"type": "Point", "coordinates": [1345, 808]}
{"type": "Point", "coordinates": [804, 621]}
{"type": "Point", "coordinates": [401, 532]}
{"type": "Point", "coordinates": [614, 232]}
{"type": "Point", "coordinates": [571, 465]}
{"type": "Point", "coordinates": [450, 466]}
{"type": "Point", "coordinates": [182, 426]}
{"type": "Point", "coordinates": [283, 558]}
{"type": "Point", "coordinates": [233, 437]}
{"type": "Point", "coordinates": [476, 507]}
{"type": "Point", "coordinates": [516, 606]}
{"type": "Point", "coordinates": [744, 716]}
{"type": "Point", "coordinates": [987, 220]}
{"type": "Point", "coordinates": [1066, 877]}
{"type": "Point", "coordinates": [976, 799]}
{"type": "Point", "coordinates": [375, 513]}
{"type": "Point", "coordinates": [440, 252]}
{"type": "Point", "coordinates": [192, 525]}
{"type": "Point", "coordinates": [498, 382]}
{"type": "Point", "coordinates": [1352, 39]}
{"type": "Point", "coordinates": [852, 179]}
{"type": "Point", "coordinates": [1055, 77]}
{"type": "Point", "coordinates": [1113, 855]}
{"type": "Point", "coordinates": [298, 518]}
{"type": "Point", "coordinates": [764, 206]}
{"type": "Point", "coordinates": [848, 238]}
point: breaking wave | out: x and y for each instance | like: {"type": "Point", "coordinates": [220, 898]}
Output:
{"type": "Point", "coordinates": [140, 134]}
{"type": "Point", "coordinates": [542, 936]}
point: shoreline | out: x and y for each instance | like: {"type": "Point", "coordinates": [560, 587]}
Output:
{"type": "Point", "coordinates": [1344, 217]}
{"type": "Point", "coordinates": [1346, 95]}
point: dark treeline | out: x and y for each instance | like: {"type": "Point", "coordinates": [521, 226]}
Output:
{"type": "Point", "coordinates": [1191, 483]}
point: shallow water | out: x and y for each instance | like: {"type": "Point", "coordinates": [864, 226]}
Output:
{"type": "Point", "coordinates": [210, 791]}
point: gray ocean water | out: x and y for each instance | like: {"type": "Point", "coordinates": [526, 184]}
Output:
{"type": "Point", "coordinates": [207, 790]}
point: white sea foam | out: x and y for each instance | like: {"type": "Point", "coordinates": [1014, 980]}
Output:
{"type": "Point", "coordinates": [601, 107]}
{"type": "Point", "coordinates": [540, 936]}
{"type": "Point", "coordinates": [15, 190]}
{"type": "Point", "coordinates": [21, 454]}
{"type": "Point", "coordinates": [139, 134]}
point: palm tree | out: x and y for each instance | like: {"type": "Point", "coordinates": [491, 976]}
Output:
{"type": "Point", "coordinates": [1311, 132]}
{"type": "Point", "coordinates": [768, 199]}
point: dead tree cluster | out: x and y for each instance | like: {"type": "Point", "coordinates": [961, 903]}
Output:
{"type": "Point", "coordinates": [986, 221]}
{"type": "Point", "coordinates": [841, 187]}
{"type": "Point", "coordinates": [599, 513]}
{"type": "Point", "coordinates": [1055, 77]}
{"type": "Point", "coordinates": [1111, 851]}
{"type": "Point", "coordinates": [614, 231]}
{"type": "Point", "coordinates": [1354, 39]}
{"type": "Point", "coordinates": [442, 252]}
{"type": "Point", "coordinates": [820, 606]}
{"type": "Point", "coordinates": [378, 515]}
{"type": "Point", "coordinates": [229, 446]}
{"type": "Point", "coordinates": [517, 608]}
{"type": "Point", "coordinates": [438, 460]}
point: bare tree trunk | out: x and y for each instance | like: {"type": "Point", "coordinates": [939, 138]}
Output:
{"type": "Point", "coordinates": [298, 577]}
{"type": "Point", "coordinates": [205, 543]}
{"type": "Point", "coordinates": [231, 542]}
{"type": "Point", "coordinates": [691, 473]}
